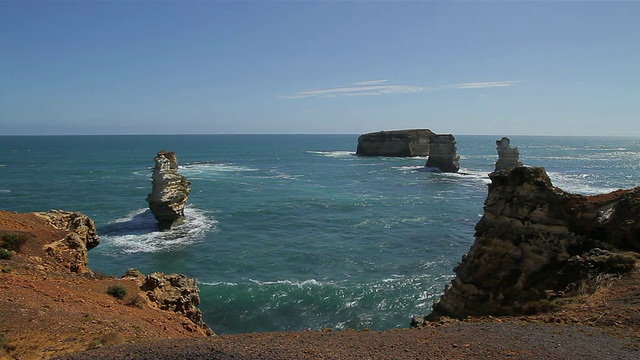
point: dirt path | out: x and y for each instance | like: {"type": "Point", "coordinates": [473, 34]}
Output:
{"type": "Point", "coordinates": [508, 340]}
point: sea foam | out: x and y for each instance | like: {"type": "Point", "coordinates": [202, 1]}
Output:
{"type": "Point", "coordinates": [333, 154]}
{"type": "Point", "coordinates": [138, 232]}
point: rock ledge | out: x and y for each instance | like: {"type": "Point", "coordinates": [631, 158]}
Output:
{"type": "Point", "coordinates": [535, 241]}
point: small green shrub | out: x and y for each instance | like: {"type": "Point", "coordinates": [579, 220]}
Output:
{"type": "Point", "coordinates": [7, 269]}
{"type": "Point", "coordinates": [5, 254]}
{"type": "Point", "coordinates": [117, 291]}
{"type": "Point", "coordinates": [12, 241]}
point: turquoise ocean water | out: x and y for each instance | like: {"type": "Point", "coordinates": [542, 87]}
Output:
{"type": "Point", "coordinates": [290, 232]}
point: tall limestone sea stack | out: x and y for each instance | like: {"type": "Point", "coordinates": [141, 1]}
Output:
{"type": "Point", "coordinates": [170, 191]}
{"type": "Point", "coordinates": [443, 153]}
{"type": "Point", "coordinates": [508, 156]}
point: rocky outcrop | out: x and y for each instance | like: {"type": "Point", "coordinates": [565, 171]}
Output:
{"type": "Point", "coordinates": [173, 292]}
{"type": "Point", "coordinates": [441, 149]}
{"type": "Point", "coordinates": [443, 153]}
{"type": "Point", "coordinates": [170, 191]}
{"type": "Point", "coordinates": [51, 305]}
{"type": "Point", "coordinates": [79, 236]}
{"type": "Point", "coordinates": [508, 156]}
{"type": "Point", "coordinates": [403, 143]}
{"type": "Point", "coordinates": [535, 241]}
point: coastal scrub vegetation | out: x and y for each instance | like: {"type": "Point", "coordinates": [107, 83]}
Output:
{"type": "Point", "coordinates": [5, 254]}
{"type": "Point", "coordinates": [117, 291]}
{"type": "Point", "coordinates": [4, 345]}
{"type": "Point", "coordinates": [12, 241]}
{"type": "Point", "coordinates": [596, 282]}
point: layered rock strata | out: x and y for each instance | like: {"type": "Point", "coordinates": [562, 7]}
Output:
{"type": "Point", "coordinates": [443, 153]}
{"type": "Point", "coordinates": [173, 292]}
{"type": "Point", "coordinates": [508, 156]}
{"type": "Point", "coordinates": [170, 191]}
{"type": "Point", "coordinates": [78, 236]}
{"type": "Point", "coordinates": [402, 143]}
{"type": "Point", "coordinates": [535, 241]}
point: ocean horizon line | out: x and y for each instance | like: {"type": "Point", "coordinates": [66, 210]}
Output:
{"type": "Point", "coordinates": [314, 134]}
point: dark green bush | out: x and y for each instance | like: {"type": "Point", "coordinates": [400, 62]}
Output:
{"type": "Point", "coordinates": [12, 242]}
{"type": "Point", "coordinates": [117, 291]}
{"type": "Point", "coordinates": [5, 254]}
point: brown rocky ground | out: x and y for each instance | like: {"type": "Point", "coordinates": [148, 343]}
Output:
{"type": "Point", "coordinates": [47, 311]}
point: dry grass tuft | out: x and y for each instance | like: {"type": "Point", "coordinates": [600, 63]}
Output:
{"type": "Point", "coordinates": [108, 339]}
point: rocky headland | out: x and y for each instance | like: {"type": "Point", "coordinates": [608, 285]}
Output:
{"type": "Point", "coordinates": [170, 190]}
{"type": "Point", "coordinates": [537, 245]}
{"type": "Point", "coordinates": [51, 303]}
{"type": "Point", "coordinates": [402, 143]}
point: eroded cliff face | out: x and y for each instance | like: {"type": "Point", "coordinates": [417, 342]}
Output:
{"type": "Point", "coordinates": [173, 292]}
{"type": "Point", "coordinates": [535, 240]}
{"type": "Point", "coordinates": [170, 190]}
{"type": "Point", "coordinates": [443, 153]}
{"type": "Point", "coordinates": [403, 143]}
{"type": "Point", "coordinates": [78, 235]}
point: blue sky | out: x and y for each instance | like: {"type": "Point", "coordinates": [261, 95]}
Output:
{"type": "Point", "coordinates": [499, 68]}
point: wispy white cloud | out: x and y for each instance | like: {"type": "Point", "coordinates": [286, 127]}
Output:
{"type": "Point", "coordinates": [480, 85]}
{"type": "Point", "coordinates": [362, 88]}
{"type": "Point", "coordinates": [381, 87]}
{"type": "Point", "coordinates": [371, 82]}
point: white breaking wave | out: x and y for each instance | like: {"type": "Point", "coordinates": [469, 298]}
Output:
{"type": "Point", "coordinates": [409, 168]}
{"type": "Point", "coordinates": [474, 175]}
{"type": "Point", "coordinates": [287, 176]}
{"type": "Point", "coordinates": [211, 170]}
{"type": "Point", "coordinates": [222, 167]}
{"type": "Point", "coordinates": [138, 232]}
{"type": "Point", "coordinates": [578, 184]}
{"type": "Point", "coordinates": [218, 283]}
{"type": "Point", "coordinates": [311, 282]}
{"type": "Point", "coordinates": [333, 154]}
{"type": "Point", "coordinates": [5, 191]}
